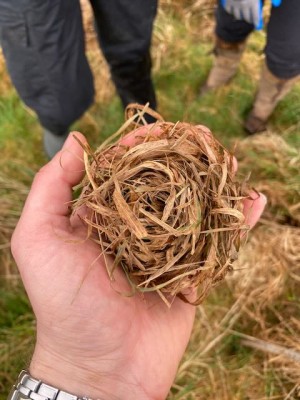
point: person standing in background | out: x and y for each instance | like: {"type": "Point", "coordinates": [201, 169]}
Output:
{"type": "Point", "coordinates": [235, 20]}
{"type": "Point", "coordinates": [43, 45]}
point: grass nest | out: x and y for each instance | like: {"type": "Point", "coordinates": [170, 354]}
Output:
{"type": "Point", "coordinates": [167, 208]}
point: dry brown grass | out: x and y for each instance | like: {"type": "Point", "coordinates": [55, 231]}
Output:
{"type": "Point", "coordinates": [104, 88]}
{"type": "Point", "coordinates": [261, 298]}
{"type": "Point", "coordinates": [168, 209]}
{"type": "Point", "coordinates": [5, 83]}
{"type": "Point", "coordinates": [276, 174]}
{"type": "Point", "coordinates": [255, 304]}
{"type": "Point", "coordinates": [12, 194]}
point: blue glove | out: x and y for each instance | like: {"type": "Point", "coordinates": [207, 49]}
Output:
{"type": "Point", "coordinates": [247, 10]}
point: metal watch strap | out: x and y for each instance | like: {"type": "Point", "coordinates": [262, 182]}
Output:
{"type": "Point", "coordinates": [29, 388]}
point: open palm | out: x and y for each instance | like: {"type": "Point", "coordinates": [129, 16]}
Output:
{"type": "Point", "coordinates": [91, 340]}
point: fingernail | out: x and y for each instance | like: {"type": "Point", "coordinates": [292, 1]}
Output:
{"type": "Point", "coordinates": [263, 197]}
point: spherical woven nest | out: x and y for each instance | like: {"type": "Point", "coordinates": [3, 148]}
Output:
{"type": "Point", "coordinates": [168, 209]}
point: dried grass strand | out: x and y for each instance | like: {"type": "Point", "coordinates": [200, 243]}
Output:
{"type": "Point", "coordinates": [168, 208]}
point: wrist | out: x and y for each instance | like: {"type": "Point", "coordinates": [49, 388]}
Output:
{"type": "Point", "coordinates": [96, 382]}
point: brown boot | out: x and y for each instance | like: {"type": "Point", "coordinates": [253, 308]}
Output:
{"type": "Point", "coordinates": [270, 91]}
{"type": "Point", "coordinates": [227, 58]}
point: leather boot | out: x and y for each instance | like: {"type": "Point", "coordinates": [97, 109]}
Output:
{"type": "Point", "coordinates": [227, 59]}
{"type": "Point", "coordinates": [270, 91]}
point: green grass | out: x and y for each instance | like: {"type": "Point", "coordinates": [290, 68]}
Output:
{"type": "Point", "coordinates": [20, 137]}
{"type": "Point", "coordinates": [182, 71]}
{"type": "Point", "coordinates": [17, 334]}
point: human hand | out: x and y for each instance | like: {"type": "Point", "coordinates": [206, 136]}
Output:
{"type": "Point", "coordinates": [246, 10]}
{"type": "Point", "coordinates": [91, 340]}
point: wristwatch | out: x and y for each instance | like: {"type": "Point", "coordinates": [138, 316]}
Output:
{"type": "Point", "coordinates": [27, 387]}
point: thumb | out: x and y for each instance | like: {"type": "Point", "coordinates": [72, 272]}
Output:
{"type": "Point", "coordinates": [254, 206]}
{"type": "Point", "coordinates": [52, 186]}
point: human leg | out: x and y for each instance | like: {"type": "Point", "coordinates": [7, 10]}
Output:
{"type": "Point", "coordinates": [281, 69]}
{"type": "Point", "coordinates": [125, 30]}
{"type": "Point", "coordinates": [230, 42]}
{"type": "Point", "coordinates": [43, 46]}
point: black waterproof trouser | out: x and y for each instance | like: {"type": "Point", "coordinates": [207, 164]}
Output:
{"type": "Point", "coordinates": [43, 45]}
{"type": "Point", "coordinates": [282, 49]}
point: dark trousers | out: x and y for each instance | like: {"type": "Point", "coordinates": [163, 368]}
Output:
{"type": "Point", "coordinates": [43, 45]}
{"type": "Point", "coordinates": [283, 36]}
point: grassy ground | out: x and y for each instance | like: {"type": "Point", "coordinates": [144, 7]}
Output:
{"type": "Point", "coordinates": [262, 298]}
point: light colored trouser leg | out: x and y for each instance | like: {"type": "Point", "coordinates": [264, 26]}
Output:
{"type": "Point", "coordinates": [227, 59]}
{"type": "Point", "coordinates": [270, 91]}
